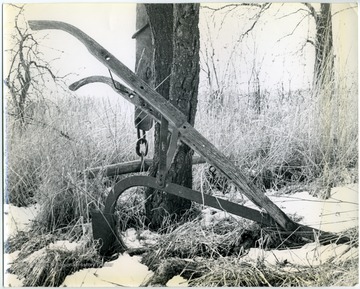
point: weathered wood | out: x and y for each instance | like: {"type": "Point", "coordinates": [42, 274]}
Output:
{"type": "Point", "coordinates": [144, 61]}
{"type": "Point", "coordinates": [170, 112]}
{"type": "Point", "coordinates": [175, 118]}
{"type": "Point", "coordinates": [127, 168]}
{"type": "Point", "coordinates": [127, 93]}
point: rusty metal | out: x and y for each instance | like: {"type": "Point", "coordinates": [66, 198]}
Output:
{"type": "Point", "coordinates": [141, 141]}
{"type": "Point", "coordinates": [104, 225]}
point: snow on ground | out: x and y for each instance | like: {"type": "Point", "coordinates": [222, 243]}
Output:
{"type": "Point", "coordinates": [309, 255]}
{"type": "Point", "coordinates": [11, 280]}
{"type": "Point", "coordinates": [335, 214]}
{"type": "Point", "coordinates": [177, 281]}
{"type": "Point", "coordinates": [134, 239]}
{"type": "Point", "coordinates": [124, 271]}
{"type": "Point", "coordinates": [18, 218]}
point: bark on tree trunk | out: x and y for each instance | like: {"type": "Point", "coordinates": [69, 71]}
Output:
{"type": "Point", "coordinates": [176, 70]}
{"type": "Point", "coordinates": [324, 59]}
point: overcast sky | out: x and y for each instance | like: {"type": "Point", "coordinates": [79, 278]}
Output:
{"type": "Point", "coordinates": [112, 25]}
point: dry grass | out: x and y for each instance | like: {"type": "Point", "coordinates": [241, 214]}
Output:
{"type": "Point", "coordinates": [228, 237]}
{"type": "Point", "coordinates": [232, 272]}
{"type": "Point", "coordinates": [303, 136]}
{"type": "Point", "coordinates": [130, 210]}
{"type": "Point", "coordinates": [46, 159]}
{"type": "Point", "coordinates": [48, 267]}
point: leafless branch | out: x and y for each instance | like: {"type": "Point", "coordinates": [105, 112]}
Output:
{"type": "Point", "coordinates": [264, 7]}
{"type": "Point", "coordinates": [294, 12]}
{"type": "Point", "coordinates": [312, 10]}
{"type": "Point", "coordinates": [231, 6]}
{"type": "Point", "coordinates": [292, 32]}
{"type": "Point", "coordinates": [28, 69]}
{"type": "Point", "coordinates": [342, 10]}
{"type": "Point", "coordinates": [45, 68]}
{"type": "Point", "coordinates": [310, 41]}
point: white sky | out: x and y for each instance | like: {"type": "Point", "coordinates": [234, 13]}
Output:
{"type": "Point", "coordinates": [112, 25]}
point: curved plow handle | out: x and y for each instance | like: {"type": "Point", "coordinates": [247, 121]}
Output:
{"type": "Point", "coordinates": [177, 120]}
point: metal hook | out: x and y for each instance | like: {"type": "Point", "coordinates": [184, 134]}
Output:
{"type": "Point", "coordinates": [113, 81]}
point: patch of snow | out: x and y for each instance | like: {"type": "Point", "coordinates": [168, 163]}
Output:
{"type": "Point", "coordinates": [138, 239]}
{"type": "Point", "coordinates": [59, 245]}
{"type": "Point", "coordinates": [124, 271]}
{"type": "Point", "coordinates": [11, 280]}
{"type": "Point", "coordinates": [131, 238]}
{"type": "Point", "coordinates": [216, 217]}
{"type": "Point", "coordinates": [211, 216]}
{"type": "Point", "coordinates": [148, 238]}
{"type": "Point", "coordinates": [336, 214]}
{"type": "Point", "coordinates": [309, 255]}
{"type": "Point", "coordinates": [64, 245]}
{"type": "Point", "coordinates": [18, 218]}
{"type": "Point", "coordinates": [177, 281]}
{"type": "Point", "coordinates": [9, 259]}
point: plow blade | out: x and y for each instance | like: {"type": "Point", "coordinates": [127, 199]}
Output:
{"type": "Point", "coordinates": [104, 230]}
{"type": "Point", "coordinates": [104, 225]}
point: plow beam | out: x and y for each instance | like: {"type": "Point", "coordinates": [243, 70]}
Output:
{"type": "Point", "coordinates": [156, 105]}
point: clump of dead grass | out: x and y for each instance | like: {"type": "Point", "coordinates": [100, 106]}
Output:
{"type": "Point", "coordinates": [228, 237]}
{"type": "Point", "coordinates": [27, 242]}
{"type": "Point", "coordinates": [49, 266]}
{"type": "Point", "coordinates": [232, 272]}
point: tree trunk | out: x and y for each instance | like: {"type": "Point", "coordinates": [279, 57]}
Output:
{"type": "Point", "coordinates": [176, 70]}
{"type": "Point", "coordinates": [324, 58]}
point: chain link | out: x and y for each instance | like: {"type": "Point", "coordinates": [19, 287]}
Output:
{"type": "Point", "coordinates": [141, 152]}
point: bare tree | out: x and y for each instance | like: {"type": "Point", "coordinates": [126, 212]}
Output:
{"type": "Point", "coordinates": [324, 55]}
{"type": "Point", "coordinates": [28, 71]}
{"type": "Point", "coordinates": [322, 39]}
{"type": "Point", "coordinates": [175, 33]}
{"type": "Point", "coordinates": [252, 13]}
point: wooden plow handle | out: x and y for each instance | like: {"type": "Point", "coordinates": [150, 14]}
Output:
{"type": "Point", "coordinates": [157, 106]}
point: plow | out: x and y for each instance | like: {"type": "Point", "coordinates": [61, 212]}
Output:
{"type": "Point", "coordinates": [155, 107]}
